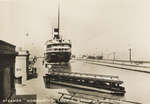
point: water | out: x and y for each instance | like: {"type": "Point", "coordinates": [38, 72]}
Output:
{"type": "Point", "coordinates": [137, 84]}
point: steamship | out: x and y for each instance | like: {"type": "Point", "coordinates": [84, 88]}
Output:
{"type": "Point", "coordinates": [57, 49]}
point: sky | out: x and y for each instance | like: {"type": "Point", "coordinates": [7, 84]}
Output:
{"type": "Point", "coordinates": [95, 27]}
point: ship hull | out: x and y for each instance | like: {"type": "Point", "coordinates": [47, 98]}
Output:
{"type": "Point", "coordinates": [54, 57]}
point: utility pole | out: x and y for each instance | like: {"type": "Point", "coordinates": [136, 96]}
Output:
{"type": "Point", "coordinates": [130, 57]}
{"type": "Point", "coordinates": [114, 57]}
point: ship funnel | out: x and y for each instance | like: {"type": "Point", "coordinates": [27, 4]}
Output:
{"type": "Point", "coordinates": [56, 33]}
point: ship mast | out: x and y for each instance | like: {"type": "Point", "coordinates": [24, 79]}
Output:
{"type": "Point", "coordinates": [58, 18]}
{"type": "Point", "coordinates": [56, 30]}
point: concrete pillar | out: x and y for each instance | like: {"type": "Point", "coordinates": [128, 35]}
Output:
{"type": "Point", "coordinates": [22, 65]}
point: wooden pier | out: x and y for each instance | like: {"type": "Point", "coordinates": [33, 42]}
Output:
{"type": "Point", "coordinates": [102, 83]}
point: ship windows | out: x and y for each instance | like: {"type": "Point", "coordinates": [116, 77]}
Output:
{"type": "Point", "coordinates": [64, 45]}
{"type": "Point", "coordinates": [49, 46]}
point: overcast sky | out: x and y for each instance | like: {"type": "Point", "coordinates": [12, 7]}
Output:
{"type": "Point", "coordinates": [93, 26]}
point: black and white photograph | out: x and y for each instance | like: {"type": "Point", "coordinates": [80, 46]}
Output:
{"type": "Point", "coordinates": [74, 52]}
